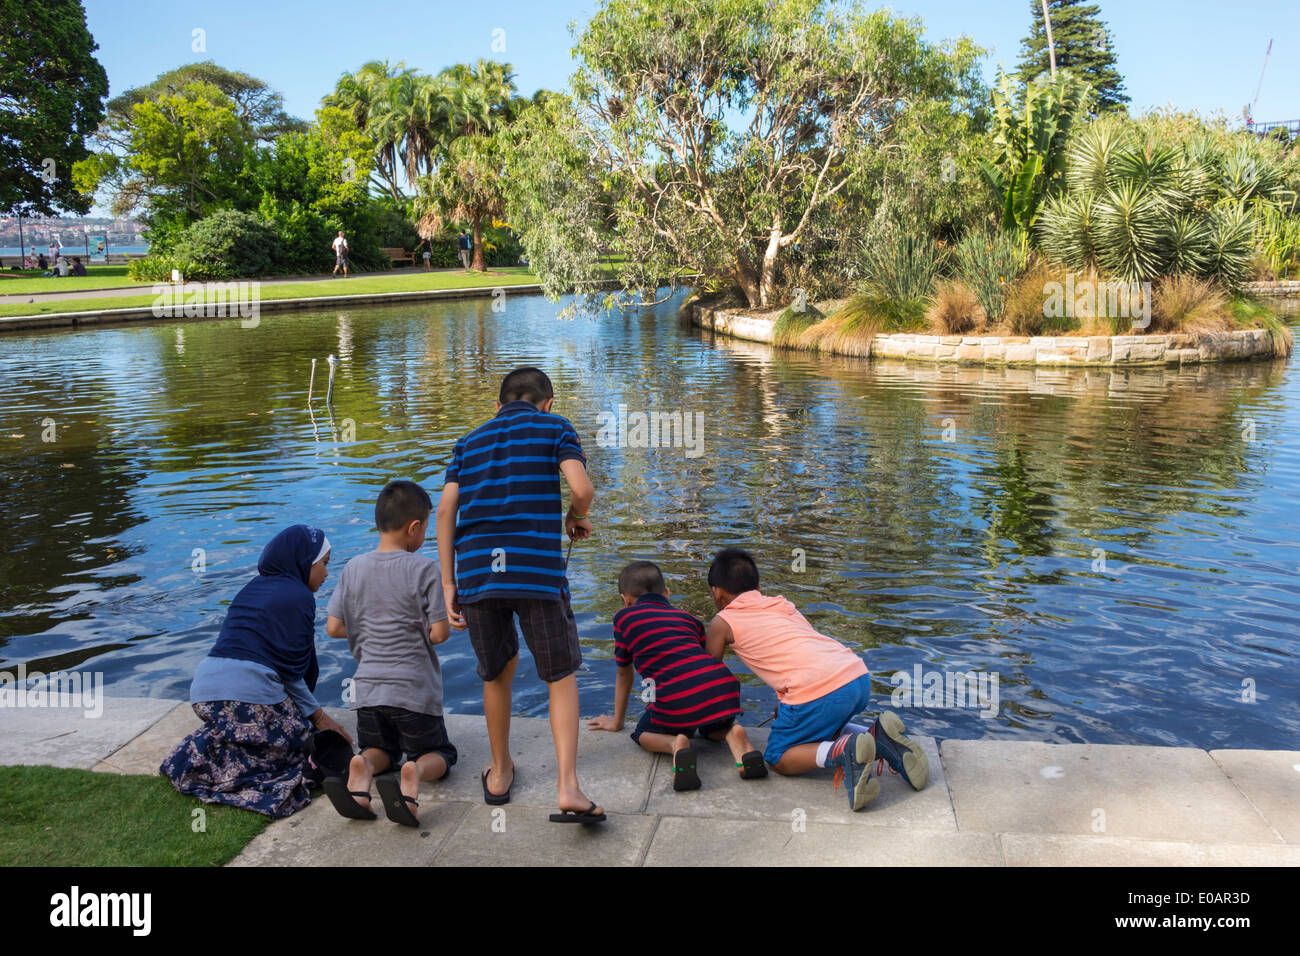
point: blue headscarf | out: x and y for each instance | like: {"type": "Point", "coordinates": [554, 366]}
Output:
{"type": "Point", "coordinates": [272, 619]}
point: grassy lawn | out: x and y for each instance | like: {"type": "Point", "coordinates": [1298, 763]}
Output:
{"type": "Point", "coordinates": [96, 277]}
{"type": "Point", "coordinates": [368, 283]}
{"type": "Point", "coordinates": [50, 816]}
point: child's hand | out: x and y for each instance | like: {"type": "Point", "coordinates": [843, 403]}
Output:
{"type": "Point", "coordinates": [605, 722]}
{"type": "Point", "coordinates": [454, 615]}
{"type": "Point", "coordinates": [577, 528]}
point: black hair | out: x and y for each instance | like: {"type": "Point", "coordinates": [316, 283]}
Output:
{"type": "Point", "coordinates": [526, 384]}
{"type": "Point", "coordinates": [734, 571]}
{"type": "Point", "coordinates": [641, 577]}
{"type": "Point", "coordinates": [400, 503]}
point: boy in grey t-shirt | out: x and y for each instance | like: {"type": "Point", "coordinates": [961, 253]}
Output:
{"type": "Point", "coordinates": [389, 607]}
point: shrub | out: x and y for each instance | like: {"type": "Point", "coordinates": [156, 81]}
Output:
{"type": "Point", "coordinates": [954, 309]}
{"type": "Point", "coordinates": [1024, 309]}
{"type": "Point", "coordinates": [157, 267]}
{"type": "Point", "coordinates": [852, 329]}
{"type": "Point", "coordinates": [791, 324]}
{"type": "Point", "coordinates": [237, 242]}
{"type": "Point", "coordinates": [989, 262]}
{"type": "Point", "coordinates": [899, 266]}
{"type": "Point", "coordinates": [1144, 200]}
{"type": "Point", "coordinates": [304, 235]}
{"type": "Point", "coordinates": [1186, 303]}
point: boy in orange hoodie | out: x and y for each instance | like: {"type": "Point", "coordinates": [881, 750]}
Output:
{"type": "Point", "coordinates": [820, 686]}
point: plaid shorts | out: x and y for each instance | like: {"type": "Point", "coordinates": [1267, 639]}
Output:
{"type": "Point", "coordinates": [395, 730]}
{"type": "Point", "coordinates": [548, 626]}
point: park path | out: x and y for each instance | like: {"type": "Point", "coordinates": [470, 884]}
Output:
{"type": "Point", "coordinates": [145, 288]}
{"type": "Point", "coordinates": [989, 803]}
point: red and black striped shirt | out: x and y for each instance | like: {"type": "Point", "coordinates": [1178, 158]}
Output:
{"type": "Point", "coordinates": [666, 645]}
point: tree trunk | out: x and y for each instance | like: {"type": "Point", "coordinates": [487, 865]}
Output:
{"type": "Point", "coordinates": [767, 285]}
{"type": "Point", "coordinates": [748, 279]}
{"type": "Point", "coordinates": [476, 264]}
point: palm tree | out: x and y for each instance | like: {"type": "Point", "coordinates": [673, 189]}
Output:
{"type": "Point", "coordinates": [367, 96]}
{"type": "Point", "coordinates": [465, 187]}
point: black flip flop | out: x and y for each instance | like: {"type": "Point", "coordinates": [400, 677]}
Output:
{"type": "Point", "coordinates": [336, 788]}
{"type": "Point", "coordinates": [395, 802]}
{"type": "Point", "coordinates": [684, 775]}
{"type": "Point", "coordinates": [752, 766]}
{"type": "Point", "coordinates": [573, 816]}
{"type": "Point", "coordinates": [496, 799]}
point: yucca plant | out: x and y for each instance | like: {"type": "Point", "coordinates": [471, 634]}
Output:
{"type": "Point", "coordinates": [1139, 204]}
{"type": "Point", "coordinates": [1232, 243]}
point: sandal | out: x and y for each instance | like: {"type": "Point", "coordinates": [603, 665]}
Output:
{"type": "Point", "coordinates": [336, 788]}
{"type": "Point", "coordinates": [573, 816]}
{"type": "Point", "coordinates": [496, 799]}
{"type": "Point", "coordinates": [395, 802]}
{"type": "Point", "coordinates": [684, 775]}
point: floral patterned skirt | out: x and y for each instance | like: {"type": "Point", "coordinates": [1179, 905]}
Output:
{"type": "Point", "coordinates": [245, 755]}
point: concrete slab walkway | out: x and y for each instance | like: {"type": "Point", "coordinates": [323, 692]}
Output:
{"type": "Point", "coordinates": [989, 803]}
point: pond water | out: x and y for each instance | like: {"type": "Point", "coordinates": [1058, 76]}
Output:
{"type": "Point", "coordinates": [1120, 548]}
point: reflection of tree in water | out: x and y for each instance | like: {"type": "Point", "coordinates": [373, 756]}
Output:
{"type": "Point", "coordinates": [67, 503]}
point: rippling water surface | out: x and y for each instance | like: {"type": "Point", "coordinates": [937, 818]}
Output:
{"type": "Point", "coordinates": [1121, 549]}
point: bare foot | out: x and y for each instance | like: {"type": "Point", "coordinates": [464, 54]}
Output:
{"type": "Point", "coordinates": [411, 784]}
{"type": "Point", "coordinates": [498, 783]}
{"type": "Point", "coordinates": [573, 799]}
{"type": "Point", "coordinates": [359, 779]}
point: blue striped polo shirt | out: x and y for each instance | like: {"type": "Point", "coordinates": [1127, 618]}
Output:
{"type": "Point", "coordinates": [509, 523]}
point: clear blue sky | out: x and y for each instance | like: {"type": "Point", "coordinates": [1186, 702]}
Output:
{"type": "Point", "coordinates": [1193, 54]}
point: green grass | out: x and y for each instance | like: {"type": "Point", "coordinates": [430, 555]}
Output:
{"type": "Point", "coordinates": [790, 325]}
{"type": "Point", "coordinates": [51, 816]}
{"type": "Point", "coordinates": [360, 285]}
{"type": "Point", "coordinates": [96, 277]}
{"type": "Point", "coordinates": [851, 329]}
{"type": "Point", "coordinates": [1252, 314]}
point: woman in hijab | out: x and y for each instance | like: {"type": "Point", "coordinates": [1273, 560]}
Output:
{"type": "Point", "coordinates": [254, 689]}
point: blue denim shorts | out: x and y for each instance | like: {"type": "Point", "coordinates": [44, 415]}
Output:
{"type": "Point", "coordinates": [817, 720]}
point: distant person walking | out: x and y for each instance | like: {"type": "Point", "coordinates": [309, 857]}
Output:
{"type": "Point", "coordinates": [340, 245]}
{"type": "Point", "coordinates": [466, 249]}
{"type": "Point", "coordinates": [428, 255]}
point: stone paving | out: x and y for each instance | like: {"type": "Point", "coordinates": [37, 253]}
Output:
{"type": "Point", "coordinates": [989, 803]}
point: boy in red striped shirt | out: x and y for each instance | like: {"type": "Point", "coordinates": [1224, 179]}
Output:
{"type": "Point", "coordinates": [690, 691]}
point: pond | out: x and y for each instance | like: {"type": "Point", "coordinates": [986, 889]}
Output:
{"type": "Point", "coordinates": [1113, 555]}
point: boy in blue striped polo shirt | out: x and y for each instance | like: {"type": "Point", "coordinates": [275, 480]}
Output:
{"type": "Point", "coordinates": [499, 529]}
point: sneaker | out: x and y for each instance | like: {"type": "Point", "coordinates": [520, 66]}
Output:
{"type": "Point", "coordinates": [904, 757]}
{"type": "Point", "coordinates": [853, 755]}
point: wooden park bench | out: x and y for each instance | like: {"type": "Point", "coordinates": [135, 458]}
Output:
{"type": "Point", "coordinates": [399, 255]}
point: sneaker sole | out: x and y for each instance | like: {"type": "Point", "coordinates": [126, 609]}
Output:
{"type": "Point", "coordinates": [916, 765]}
{"type": "Point", "coordinates": [868, 787]}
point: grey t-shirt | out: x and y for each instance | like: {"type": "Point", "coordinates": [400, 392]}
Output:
{"type": "Point", "coordinates": [387, 600]}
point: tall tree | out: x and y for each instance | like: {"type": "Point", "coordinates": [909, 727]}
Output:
{"type": "Point", "coordinates": [467, 187]}
{"type": "Point", "coordinates": [1083, 46]}
{"type": "Point", "coordinates": [52, 93]}
{"type": "Point", "coordinates": [258, 106]}
{"type": "Point", "coordinates": [183, 156]}
{"type": "Point", "coordinates": [724, 129]}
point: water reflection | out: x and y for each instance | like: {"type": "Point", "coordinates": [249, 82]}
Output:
{"type": "Point", "coordinates": [1120, 547]}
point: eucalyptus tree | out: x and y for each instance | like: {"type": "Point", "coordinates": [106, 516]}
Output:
{"type": "Point", "coordinates": [721, 129]}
